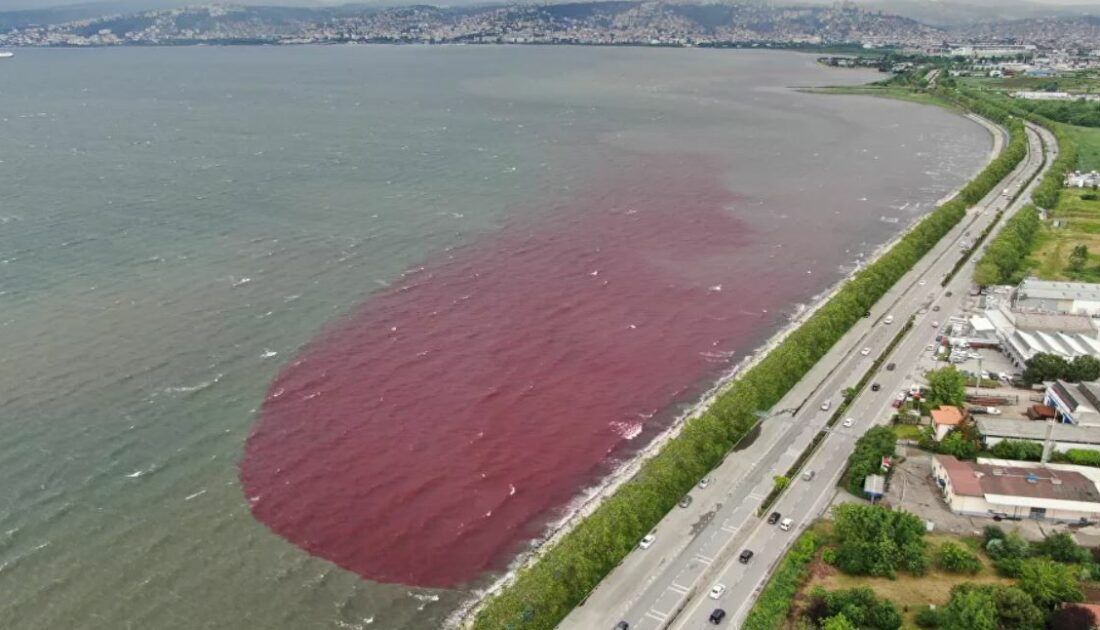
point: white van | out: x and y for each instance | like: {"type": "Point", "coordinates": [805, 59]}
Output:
{"type": "Point", "coordinates": [786, 524]}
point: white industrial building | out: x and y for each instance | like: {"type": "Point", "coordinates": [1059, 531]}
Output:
{"type": "Point", "coordinates": [1059, 298]}
{"type": "Point", "coordinates": [1018, 490]}
{"type": "Point", "coordinates": [1022, 335]}
{"type": "Point", "coordinates": [1063, 436]}
{"type": "Point", "coordinates": [1075, 403]}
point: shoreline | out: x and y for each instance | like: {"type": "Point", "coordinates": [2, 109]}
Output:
{"type": "Point", "coordinates": [588, 499]}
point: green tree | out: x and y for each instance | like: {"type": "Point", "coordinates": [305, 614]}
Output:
{"type": "Point", "coordinates": [1083, 368]}
{"type": "Point", "coordinates": [877, 541]}
{"type": "Point", "coordinates": [969, 609]}
{"type": "Point", "coordinates": [1078, 257]}
{"type": "Point", "coordinates": [1045, 367]}
{"type": "Point", "coordinates": [1049, 583]}
{"type": "Point", "coordinates": [946, 386]}
{"type": "Point", "coordinates": [987, 273]}
{"type": "Point", "coordinates": [1015, 609]}
{"type": "Point", "coordinates": [958, 444]}
{"type": "Point", "coordinates": [1073, 618]}
{"type": "Point", "coordinates": [866, 458]}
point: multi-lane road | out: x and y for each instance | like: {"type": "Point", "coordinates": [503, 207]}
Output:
{"type": "Point", "coordinates": [696, 547]}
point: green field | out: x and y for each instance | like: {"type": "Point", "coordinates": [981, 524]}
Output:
{"type": "Point", "coordinates": [1088, 147]}
{"type": "Point", "coordinates": [1081, 218]}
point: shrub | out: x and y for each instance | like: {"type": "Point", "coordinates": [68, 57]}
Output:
{"type": "Point", "coordinates": [1062, 548]}
{"type": "Point", "coordinates": [1083, 457]}
{"type": "Point", "coordinates": [1019, 450]}
{"type": "Point", "coordinates": [928, 617]}
{"type": "Point", "coordinates": [1049, 583]}
{"type": "Point", "coordinates": [954, 558]}
{"type": "Point", "coordinates": [992, 532]}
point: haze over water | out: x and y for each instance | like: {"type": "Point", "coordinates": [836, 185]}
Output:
{"type": "Point", "coordinates": [183, 232]}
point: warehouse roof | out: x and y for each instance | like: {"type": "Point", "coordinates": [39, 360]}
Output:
{"type": "Point", "coordinates": [1036, 431]}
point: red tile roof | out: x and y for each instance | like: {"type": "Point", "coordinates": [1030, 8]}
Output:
{"type": "Point", "coordinates": [978, 480]}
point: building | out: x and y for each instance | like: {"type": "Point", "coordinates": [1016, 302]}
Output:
{"type": "Point", "coordinates": [874, 487]}
{"type": "Point", "coordinates": [1021, 335]}
{"type": "Point", "coordinates": [1064, 436]}
{"type": "Point", "coordinates": [1059, 298]}
{"type": "Point", "coordinates": [946, 418]}
{"type": "Point", "coordinates": [1018, 490]}
{"type": "Point", "coordinates": [1074, 403]}
{"type": "Point", "coordinates": [1077, 179]}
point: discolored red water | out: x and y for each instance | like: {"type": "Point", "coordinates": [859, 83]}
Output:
{"type": "Point", "coordinates": [423, 439]}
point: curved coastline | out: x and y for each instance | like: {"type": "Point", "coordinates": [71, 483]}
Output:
{"type": "Point", "coordinates": [588, 500]}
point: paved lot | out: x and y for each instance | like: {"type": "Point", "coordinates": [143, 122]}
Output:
{"type": "Point", "coordinates": [913, 489]}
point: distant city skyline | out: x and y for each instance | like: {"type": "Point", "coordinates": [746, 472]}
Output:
{"type": "Point", "coordinates": [14, 5]}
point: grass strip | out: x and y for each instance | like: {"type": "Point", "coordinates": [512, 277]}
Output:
{"type": "Point", "coordinates": [774, 604]}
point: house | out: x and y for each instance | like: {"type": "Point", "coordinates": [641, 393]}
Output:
{"type": "Point", "coordinates": [1074, 403]}
{"type": "Point", "coordinates": [1092, 608]}
{"type": "Point", "coordinates": [946, 418]}
{"type": "Point", "coordinates": [1018, 490]}
{"type": "Point", "coordinates": [1064, 436]}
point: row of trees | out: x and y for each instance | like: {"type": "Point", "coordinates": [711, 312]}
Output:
{"type": "Point", "coordinates": [545, 591]}
{"type": "Point", "coordinates": [1048, 367]}
{"type": "Point", "coordinates": [1049, 190]}
{"type": "Point", "coordinates": [1005, 259]}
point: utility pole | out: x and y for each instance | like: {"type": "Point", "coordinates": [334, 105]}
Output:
{"type": "Point", "coordinates": [1048, 443]}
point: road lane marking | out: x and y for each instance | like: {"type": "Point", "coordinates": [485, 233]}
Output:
{"type": "Point", "coordinates": [705, 560]}
{"type": "Point", "coordinates": [679, 590]}
{"type": "Point", "coordinates": [659, 616]}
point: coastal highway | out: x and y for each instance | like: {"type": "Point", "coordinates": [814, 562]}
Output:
{"type": "Point", "coordinates": [667, 584]}
{"type": "Point", "coordinates": [805, 501]}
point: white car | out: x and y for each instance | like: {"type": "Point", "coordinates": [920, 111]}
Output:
{"type": "Point", "coordinates": [993, 411]}
{"type": "Point", "coordinates": [865, 351]}
{"type": "Point", "coordinates": [921, 282]}
{"type": "Point", "coordinates": [849, 422]}
{"type": "Point", "coordinates": [889, 319]}
{"type": "Point", "coordinates": [704, 482]}
{"type": "Point", "coordinates": [647, 542]}
{"type": "Point", "coordinates": [718, 591]}
{"type": "Point", "coordinates": [935, 324]}
{"type": "Point", "coordinates": [825, 405]}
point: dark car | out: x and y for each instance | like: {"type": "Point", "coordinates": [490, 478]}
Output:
{"type": "Point", "coordinates": [948, 294]}
{"type": "Point", "coordinates": [866, 313]}
{"type": "Point", "coordinates": [936, 308]}
{"type": "Point", "coordinates": [622, 625]}
{"type": "Point", "coordinates": [745, 556]}
{"type": "Point", "coordinates": [875, 387]}
{"type": "Point", "coordinates": [890, 367]}
{"type": "Point", "coordinates": [773, 518]}
{"type": "Point", "coordinates": [717, 616]}
{"type": "Point", "coordinates": [686, 501]}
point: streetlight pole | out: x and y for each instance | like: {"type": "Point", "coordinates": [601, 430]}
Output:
{"type": "Point", "coordinates": [979, 386]}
